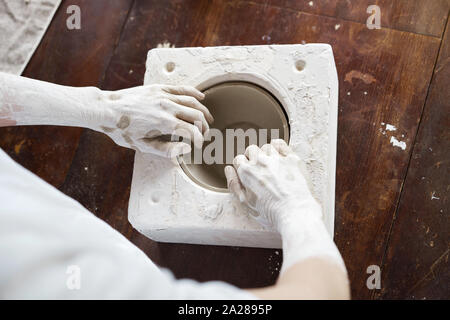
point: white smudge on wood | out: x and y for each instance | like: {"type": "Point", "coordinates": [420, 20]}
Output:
{"type": "Point", "coordinates": [396, 143]}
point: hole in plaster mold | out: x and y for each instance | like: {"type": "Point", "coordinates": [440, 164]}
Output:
{"type": "Point", "coordinates": [170, 66]}
{"type": "Point", "coordinates": [300, 65]}
{"type": "Point", "coordinates": [234, 105]}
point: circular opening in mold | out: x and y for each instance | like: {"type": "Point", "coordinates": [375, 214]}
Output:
{"type": "Point", "coordinates": [170, 66]}
{"type": "Point", "coordinates": [242, 111]}
{"type": "Point", "coordinates": [300, 65]}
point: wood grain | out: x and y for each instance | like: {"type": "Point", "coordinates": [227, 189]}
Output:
{"type": "Point", "coordinates": [417, 260]}
{"type": "Point", "coordinates": [417, 16]}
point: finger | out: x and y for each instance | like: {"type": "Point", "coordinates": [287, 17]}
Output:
{"type": "Point", "coordinates": [233, 183]}
{"type": "Point", "coordinates": [269, 150]}
{"type": "Point", "coordinates": [164, 149]}
{"type": "Point", "coordinates": [191, 102]}
{"type": "Point", "coordinates": [188, 114]}
{"type": "Point", "coordinates": [252, 152]}
{"type": "Point", "coordinates": [185, 91]}
{"type": "Point", "coordinates": [190, 132]}
{"type": "Point", "coordinates": [239, 161]}
{"type": "Point", "coordinates": [281, 146]}
{"type": "Point", "coordinates": [193, 116]}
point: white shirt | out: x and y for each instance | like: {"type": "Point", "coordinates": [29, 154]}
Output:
{"type": "Point", "coordinates": [51, 247]}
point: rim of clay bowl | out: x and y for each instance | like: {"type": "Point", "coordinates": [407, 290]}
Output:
{"type": "Point", "coordinates": [279, 109]}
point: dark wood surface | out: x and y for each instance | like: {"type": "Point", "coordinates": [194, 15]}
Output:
{"type": "Point", "coordinates": [418, 16]}
{"type": "Point", "coordinates": [416, 265]}
{"type": "Point", "coordinates": [384, 212]}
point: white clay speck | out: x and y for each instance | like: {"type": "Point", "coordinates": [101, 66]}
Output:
{"type": "Point", "coordinates": [399, 144]}
{"type": "Point", "coordinates": [390, 127]}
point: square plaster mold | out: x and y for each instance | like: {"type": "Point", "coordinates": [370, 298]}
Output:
{"type": "Point", "coordinates": [167, 206]}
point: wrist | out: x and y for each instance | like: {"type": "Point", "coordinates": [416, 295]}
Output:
{"type": "Point", "coordinates": [100, 116]}
{"type": "Point", "coordinates": [307, 237]}
{"type": "Point", "coordinates": [292, 213]}
{"type": "Point", "coordinates": [304, 234]}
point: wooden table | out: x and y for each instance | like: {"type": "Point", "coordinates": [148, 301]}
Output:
{"type": "Point", "coordinates": [392, 205]}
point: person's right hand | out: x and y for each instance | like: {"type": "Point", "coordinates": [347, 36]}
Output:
{"type": "Point", "coordinates": [271, 181]}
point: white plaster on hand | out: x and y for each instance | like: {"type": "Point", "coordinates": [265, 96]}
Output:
{"type": "Point", "coordinates": [271, 181]}
{"type": "Point", "coordinates": [145, 118]}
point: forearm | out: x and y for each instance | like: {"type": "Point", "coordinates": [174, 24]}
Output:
{"type": "Point", "coordinates": [139, 118]}
{"type": "Point", "coordinates": [312, 265]}
{"type": "Point", "coordinates": [25, 101]}
{"type": "Point", "coordinates": [305, 236]}
{"type": "Point", "coordinates": [310, 279]}
{"type": "Point", "coordinates": [273, 181]}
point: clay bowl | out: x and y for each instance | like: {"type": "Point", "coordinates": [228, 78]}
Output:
{"type": "Point", "coordinates": [235, 106]}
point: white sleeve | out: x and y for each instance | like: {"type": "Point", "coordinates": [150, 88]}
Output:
{"type": "Point", "coordinates": [53, 248]}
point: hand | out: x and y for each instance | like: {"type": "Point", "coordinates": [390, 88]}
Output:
{"type": "Point", "coordinates": [144, 118]}
{"type": "Point", "coordinates": [271, 180]}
